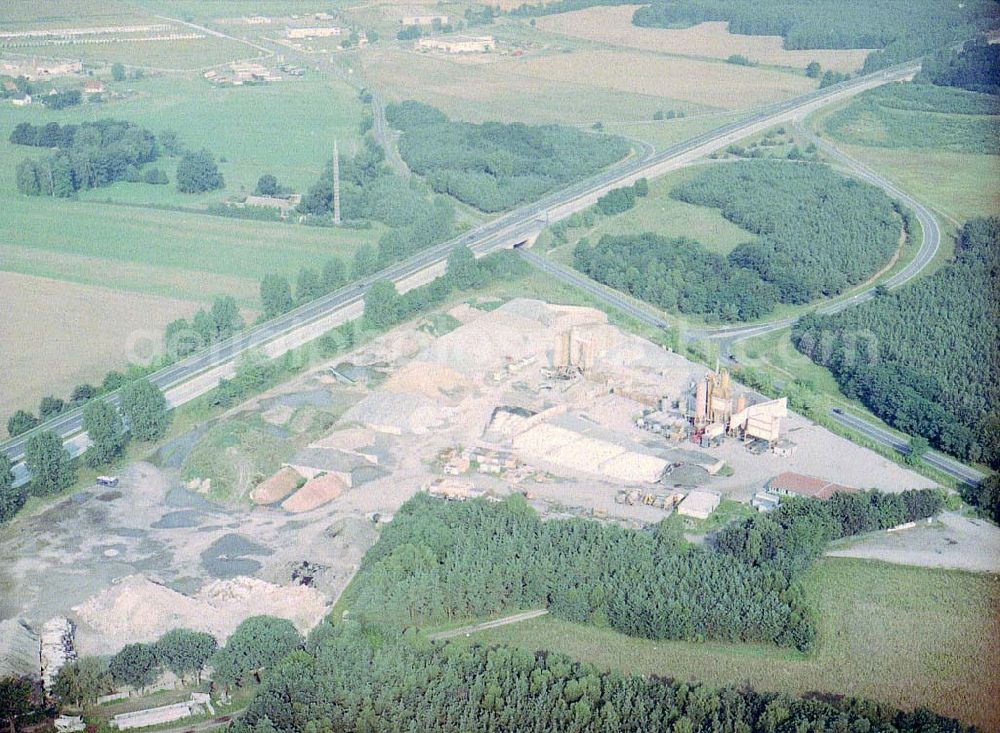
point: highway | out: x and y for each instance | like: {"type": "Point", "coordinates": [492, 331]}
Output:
{"type": "Point", "coordinates": [508, 230]}
{"type": "Point", "coordinates": [957, 470]}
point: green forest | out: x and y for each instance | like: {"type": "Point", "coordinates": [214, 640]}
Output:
{"type": "Point", "coordinates": [900, 29]}
{"type": "Point", "coordinates": [677, 275]}
{"type": "Point", "coordinates": [495, 166]}
{"type": "Point", "coordinates": [818, 234]}
{"type": "Point", "coordinates": [440, 562]}
{"type": "Point", "coordinates": [926, 357]}
{"type": "Point", "coordinates": [88, 155]}
{"type": "Point", "coordinates": [911, 115]}
{"type": "Point", "coordinates": [976, 67]}
{"type": "Point", "coordinates": [352, 677]}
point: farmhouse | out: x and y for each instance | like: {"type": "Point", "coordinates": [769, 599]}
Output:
{"type": "Point", "coordinates": [256, 20]}
{"type": "Point", "coordinates": [284, 204]}
{"type": "Point", "coordinates": [458, 44]}
{"type": "Point", "coordinates": [799, 484]}
{"type": "Point", "coordinates": [423, 19]}
{"type": "Point", "coordinates": [93, 86]}
{"type": "Point", "coordinates": [35, 70]}
{"type": "Point", "coordinates": [321, 32]}
{"type": "Point", "coordinates": [21, 100]}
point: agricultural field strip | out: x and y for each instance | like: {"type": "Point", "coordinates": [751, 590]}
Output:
{"type": "Point", "coordinates": [514, 227]}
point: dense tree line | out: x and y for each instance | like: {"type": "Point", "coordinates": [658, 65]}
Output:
{"type": "Point", "coordinates": [899, 29]}
{"type": "Point", "coordinates": [910, 115]}
{"type": "Point", "coordinates": [385, 307]}
{"type": "Point", "coordinates": [442, 561]}
{"type": "Point", "coordinates": [354, 678]}
{"type": "Point", "coordinates": [495, 166]}
{"type": "Point", "coordinates": [985, 497]}
{"type": "Point", "coordinates": [218, 323]}
{"type": "Point", "coordinates": [976, 67]}
{"type": "Point", "coordinates": [677, 275]}
{"type": "Point", "coordinates": [818, 232]}
{"type": "Point", "coordinates": [926, 357]}
{"type": "Point", "coordinates": [88, 155]}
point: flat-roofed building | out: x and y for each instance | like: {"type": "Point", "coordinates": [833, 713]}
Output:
{"type": "Point", "coordinates": [698, 504]}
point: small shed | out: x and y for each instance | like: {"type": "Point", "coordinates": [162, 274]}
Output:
{"type": "Point", "coordinates": [698, 504]}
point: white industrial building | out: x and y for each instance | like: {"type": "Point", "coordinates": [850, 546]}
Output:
{"type": "Point", "coordinates": [698, 504]}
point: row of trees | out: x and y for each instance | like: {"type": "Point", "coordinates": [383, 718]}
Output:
{"type": "Point", "coordinates": [218, 323]}
{"type": "Point", "coordinates": [495, 166]}
{"type": "Point", "coordinates": [142, 408]}
{"type": "Point", "coordinates": [677, 275]}
{"type": "Point", "coordinates": [925, 357]}
{"type": "Point", "coordinates": [353, 677]}
{"type": "Point", "coordinates": [385, 307]}
{"type": "Point", "coordinates": [439, 562]}
{"type": "Point", "coordinates": [818, 232]}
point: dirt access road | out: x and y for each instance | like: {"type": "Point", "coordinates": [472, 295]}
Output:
{"type": "Point", "coordinates": [466, 630]}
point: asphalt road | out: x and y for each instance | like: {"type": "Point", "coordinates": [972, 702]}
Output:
{"type": "Point", "coordinates": [951, 467]}
{"type": "Point", "coordinates": [505, 231]}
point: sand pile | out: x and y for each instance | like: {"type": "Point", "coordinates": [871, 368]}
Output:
{"type": "Point", "coordinates": [426, 378]}
{"type": "Point", "coordinates": [315, 493]}
{"type": "Point", "coordinates": [397, 413]}
{"type": "Point", "coordinates": [348, 439]}
{"type": "Point", "coordinates": [138, 610]}
{"type": "Point", "coordinates": [277, 487]}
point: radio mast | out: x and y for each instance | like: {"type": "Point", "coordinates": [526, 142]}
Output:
{"type": "Point", "coordinates": [336, 184]}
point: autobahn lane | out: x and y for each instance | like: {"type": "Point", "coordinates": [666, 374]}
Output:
{"type": "Point", "coordinates": [498, 233]}
{"type": "Point", "coordinates": [957, 470]}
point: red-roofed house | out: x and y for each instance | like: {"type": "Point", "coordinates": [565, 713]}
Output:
{"type": "Point", "coordinates": [798, 484]}
{"type": "Point", "coordinates": [93, 86]}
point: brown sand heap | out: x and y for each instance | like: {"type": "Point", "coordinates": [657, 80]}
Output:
{"type": "Point", "coordinates": [277, 487]}
{"type": "Point", "coordinates": [348, 439]}
{"type": "Point", "coordinates": [426, 378]}
{"type": "Point", "coordinates": [138, 610]}
{"type": "Point", "coordinates": [316, 492]}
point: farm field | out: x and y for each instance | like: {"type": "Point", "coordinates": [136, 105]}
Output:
{"type": "Point", "coordinates": [495, 91]}
{"type": "Point", "coordinates": [902, 635]}
{"type": "Point", "coordinates": [613, 25]}
{"type": "Point", "coordinates": [76, 332]}
{"type": "Point", "coordinates": [168, 55]}
{"type": "Point", "coordinates": [709, 83]}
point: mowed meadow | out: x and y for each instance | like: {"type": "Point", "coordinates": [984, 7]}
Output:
{"type": "Point", "coordinates": [124, 237]}
{"type": "Point", "coordinates": [906, 636]}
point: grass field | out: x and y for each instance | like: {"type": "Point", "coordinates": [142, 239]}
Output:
{"type": "Point", "coordinates": [664, 133]}
{"type": "Point", "coordinates": [661, 214]}
{"type": "Point", "coordinates": [903, 635]}
{"type": "Point", "coordinates": [179, 54]}
{"type": "Point", "coordinates": [613, 25]}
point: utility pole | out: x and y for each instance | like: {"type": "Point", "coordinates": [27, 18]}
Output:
{"type": "Point", "coordinates": [336, 184]}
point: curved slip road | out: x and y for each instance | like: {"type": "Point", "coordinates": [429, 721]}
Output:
{"type": "Point", "coordinates": [510, 229]}
{"type": "Point", "coordinates": [928, 249]}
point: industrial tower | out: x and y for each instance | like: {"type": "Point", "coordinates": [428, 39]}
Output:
{"type": "Point", "coordinates": [336, 184]}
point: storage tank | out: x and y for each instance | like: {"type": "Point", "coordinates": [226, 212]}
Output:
{"type": "Point", "coordinates": [700, 402]}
